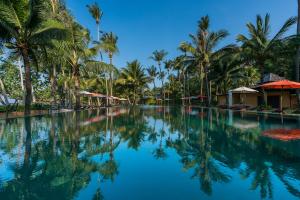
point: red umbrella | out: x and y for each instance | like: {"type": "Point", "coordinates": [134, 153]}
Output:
{"type": "Point", "coordinates": [283, 84]}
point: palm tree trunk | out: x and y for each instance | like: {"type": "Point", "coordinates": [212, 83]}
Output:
{"type": "Point", "coordinates": [21, 75]}
{"type": "Point", "coordinates": [262, 73]}
{"type": "Point", "coordinates": [201, 82]}
{"type": "Point", "coordinates": [107, 92]}
{"type": "Point", "coordinates": [298, 55]}
{"type": "Point", "coordinates": [207, 88]}
{"type": "Point", "coordinates": [111, 77]}
{"type": "Point", "coordinates": [66, 90]}
{"type": "Point", "coordinates": [28, 85]}
{"type": "Point", "coordinates": [53, 86]}
{"type": "Point", "coordinates": [98, 31]}
{"type": "Point", "coordinates": [4, 92]}
{"type": "Point", "coordinates": [77, 87]}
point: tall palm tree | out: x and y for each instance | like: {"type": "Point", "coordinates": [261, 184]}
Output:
{"type": "Point", "coordinates": [108, 43]}
{"type": "Point", "coordinates": [168, 67]}
{"type": "Point", "coordinates": [97, 14]}
{"type": "Point", "coordinates": [76, 51]}
{"type": "Point", "coordinates": [259, 47]}
{"type": "Point", "coordinates": [203, 50]}
{"type": "Point", "coordinates": [159, 57]}
{"type": "Point", "coordinates": [134, 77]}
{"type": "Point", "coordinates": [152, 72]}
{"type": "Point", "coordinates": [25, 30]}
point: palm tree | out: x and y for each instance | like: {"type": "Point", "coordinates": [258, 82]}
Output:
{"type": "Point", "coordinates": [168, 67]}
{"type": "Point", "coordinates": [134, 77]}
{"type": "Point", "coordinates": [203, 50]}
{"type": "Point", "coordinates": [259, 47]}
{"type": "Point", "coordinates": [109, 45]}
{"type": "Point", "coordinates": [25, 30]}
{"type": "Point", "coordinates": [76, 51]}
{"type": "Point", "coordinates": [159, 56]}
{"type": "Point", "coordinates": [97, 14]}
{"type": "Point", "coordinates": [152, 72]}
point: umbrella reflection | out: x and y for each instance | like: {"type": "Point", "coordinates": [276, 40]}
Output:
{"type": "Point", "coordinates": [283, 134]}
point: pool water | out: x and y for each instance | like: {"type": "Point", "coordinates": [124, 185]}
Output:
{"type": "Point", "coordinates": [145, 153]}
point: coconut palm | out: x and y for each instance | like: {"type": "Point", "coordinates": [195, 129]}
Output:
{"type": "Point", "coordinates": [260, 47]}
{"type": "Point", "coordinates": [97, 14]}
{"type": "Point", "coordinates": [108, 43]}
{"type": "Point", "coordinates": [24, 30]}
{"type": "Point", "coordinates": [134, 77]}
{"type": "Point", "coordinates": [168, 67]}
{"type": "Point", "coordinates": [159, 57]}
{"type": "Point", "coordinates": [202, 50]}
{"type": "Point", "coordinates": [152, 72]}
{"type": "Point", "coordinates": [76, 51]}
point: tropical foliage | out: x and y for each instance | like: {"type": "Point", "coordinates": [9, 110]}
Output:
{"type": "Point", "coordinates": [55, 59]}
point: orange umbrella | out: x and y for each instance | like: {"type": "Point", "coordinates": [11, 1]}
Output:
{"type": "Point", "coordinates": [283, 84]}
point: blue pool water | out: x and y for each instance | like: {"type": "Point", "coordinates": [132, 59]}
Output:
{"type": "Point", "coordinates": [150, 153]}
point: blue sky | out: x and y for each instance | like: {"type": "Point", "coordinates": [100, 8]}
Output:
{"type": "Point", "coordinates": [146, 25]}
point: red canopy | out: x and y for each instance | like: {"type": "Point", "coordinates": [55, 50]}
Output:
{"type": "Point", "coordinates": [283, 84]}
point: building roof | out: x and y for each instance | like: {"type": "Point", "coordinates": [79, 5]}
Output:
{"type": "Point", "coordinates": [270, 77]}
{"type": "Point", "coordinates": [243, 90]}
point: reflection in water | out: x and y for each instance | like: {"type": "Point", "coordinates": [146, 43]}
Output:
{"type": "Point", "coordinates": [103, 154]}
{"type": "Point", "coordinates": [283, 134]}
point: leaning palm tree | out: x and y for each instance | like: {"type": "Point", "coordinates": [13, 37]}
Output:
{"type": "Point", "coordinates": [24, 30]}
{"type": "Point", "coordinates": [108, 43]}
{"type": "Point", "coordinates": [97, 14]}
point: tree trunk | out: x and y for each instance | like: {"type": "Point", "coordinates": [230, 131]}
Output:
{"type": "Point", "coordinates": [33, 95]}
{"type": "Point", "coordinates": [207, 88]}
{"type": "Point", "coordinates": [107, 92]}
{"type": "Point", "coordinates": [298, 56]}
{"type": "Point", "coordinates": [28, 85]}
{"type": "Point", "coordinates": [262, 74]}
{"type": "Point", "coordinates": [201, 82]}
{"type": "Point", "coordinates": [77, 86]}
{"type": "Point", "coordinates": [4, 92]}
{"type": "Point", "coordinates": [98, 31]}
{"type": "Point", "coordinates": [21, 76]}
{"type": "Point", "coordinates": [111, 77]}
{"type": "Point", "coordinates": [53, 86]}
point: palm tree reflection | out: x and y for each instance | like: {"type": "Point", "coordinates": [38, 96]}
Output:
{"type": "Point", "coordinates": [58, 154]}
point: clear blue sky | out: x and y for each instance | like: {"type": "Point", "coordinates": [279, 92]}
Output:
{"type": "Point", "coordinates": [146, 25]}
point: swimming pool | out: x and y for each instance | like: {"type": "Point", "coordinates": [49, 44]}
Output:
{"type": "Point", "coordinates": [150, 153]}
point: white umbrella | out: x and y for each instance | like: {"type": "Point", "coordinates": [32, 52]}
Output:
{"type": "Point", "coordinates": [243, 90]}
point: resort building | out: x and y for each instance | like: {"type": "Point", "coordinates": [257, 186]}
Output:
{"type": "Point", "coordinates": [254, 97]}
